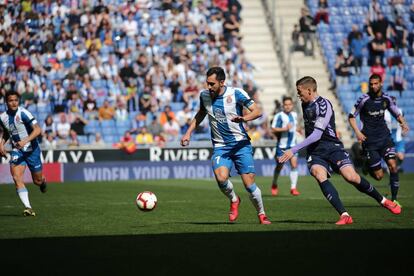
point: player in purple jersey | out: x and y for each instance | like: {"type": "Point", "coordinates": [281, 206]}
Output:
{"type": "Point", "coordinates": [375, 136]}
{"type": "Point", "coordinates": [224, 107]}
{"type": "Point", "coordinates": [21, 128]}
{"type": "Point", "coordinates": [325, 152]}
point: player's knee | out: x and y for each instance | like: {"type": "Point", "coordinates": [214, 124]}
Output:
{"type": "Point", "coordinates": [352, 178]}
{"type": "Point", "coordinates": [319, 176]}
{"type": "Point", "coordinates": [221, 177]}
{"type": "Point", "coordinates": [377, 175]}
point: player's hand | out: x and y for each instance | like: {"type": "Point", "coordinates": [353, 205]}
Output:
{"type": "Point", "coordinates": [2, 151]}
{"type": "Point", "coordinates": [185, 140]}
{"type": "Point", "coordinates": [286, 156]}
{"type": "Point", "coordinates": [405, 129]}
{"type": "Point", "coordinates": [21, 144]}
{"type": "Point", "coordinates": [289, 126]}
{"type": "Point", "coordinates": [238, 119]}
{"type": "Point", "coordinates": [361, 137]}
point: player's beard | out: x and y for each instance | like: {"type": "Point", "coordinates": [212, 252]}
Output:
{"type": "Point", "coordinates": [373, 92]}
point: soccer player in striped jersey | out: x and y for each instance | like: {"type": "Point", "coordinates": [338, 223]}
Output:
{"type": "Point", "coordinates": [396, 135]}
{"type": "Point", "coordinates": [22, 130]}
{"type": "Point", "coordinates": [284, 125]}
{"type": "Point", "coordinates": [231, 145]}
{"type": "Point", "coordinates": [375, 136]}
{"type": "Point", "coordinates": [326, 153]}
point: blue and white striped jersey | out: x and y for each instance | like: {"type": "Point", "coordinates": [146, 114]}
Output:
{"type": "Point", "coordinates": [286, 139]}
{"type": "Point", "coordinates": [19, 125]}
{"type": "Point", "coordinates": [221, 110]}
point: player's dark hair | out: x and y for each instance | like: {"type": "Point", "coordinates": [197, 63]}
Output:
{"type": "Point", "coordinates": [220, 75]}
{"type": "Point", "coordinates": [375, 77]}
{"type": "Point", "coordinates": [287, 98]}
{"type": "Point", "coordinates": [11, 93]}
{"type": "Point", "coordinates": [307, 81]}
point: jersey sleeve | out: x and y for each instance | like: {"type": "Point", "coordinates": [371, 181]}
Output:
{"type": "Point", "coordinates": [277, 121]}
{"type": "Point", "coordinates": [243, 98]}
{"type": "Point", "coordinates": [324, 115]}
{"type": "Point", "coordinates": [358, 106]}
{"type": "Point", "coordinates": [28, 118]}
{"type": "Point", "coordinates": [392, 107]}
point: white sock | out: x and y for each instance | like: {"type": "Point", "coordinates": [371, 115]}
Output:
{"type": "Point", "coordinates": [293, 178]}
{"type": "Point", "coordinates": [228, 190]}
{"type": "Point", "coordinates": [24, 197]}
{"type": "Point", "coordinates": [255, 195]}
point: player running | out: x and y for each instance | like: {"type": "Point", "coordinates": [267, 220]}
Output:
{"type": "Point", "coordinates": [19, 125]}
{"type": "Point", "coordinates": [375, 136]}
{"type": "Point", "coordinates": [284, 125]}
{"type": "Point", "coordinates": [325, 152]}
{"type": "Point", "coordinates": [231, 145]}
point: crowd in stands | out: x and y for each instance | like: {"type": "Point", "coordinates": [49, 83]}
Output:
{"type": "Point", "coordinates": [100, 71]}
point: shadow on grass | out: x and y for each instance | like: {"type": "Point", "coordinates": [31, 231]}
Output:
{"type": "Point", "coordinates": [342, 252]}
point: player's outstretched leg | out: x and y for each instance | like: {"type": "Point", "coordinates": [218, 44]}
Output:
{"type": "Point", "coordinates": [367, 188]}
{"type": "Point", "coordinates": [276, 173]}
{"type": "Point", "coordinates": [228, 190]}
{"type": "Point", "coordinates": [331, 194]}
{"type": "Point", "coordinates": [255, 195]}
{"type": "Point", "coordinates": [43, 186]}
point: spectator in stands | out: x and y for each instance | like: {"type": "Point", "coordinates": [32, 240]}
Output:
{"type": "Point", "coordinates": [357, 48]}
{"type": "Point", "coordinates": [144, 137]}
{"type": "Point", "coordinates": [49, 142]}
{"type": "Point", "coordinates": [82, 68]}
{"type": "Point", "coordinates": [49, 127]}
{"type": "Point", "coordinates": [378, 68]}
{"type": "Point", "coordinates": [126, 143]}
{"type": "Point", "coordinates": [342, 70]}
{"type": "Point", "coordinates": [167, 113]}
{"type": "Point", "coordinates": [296, 39]}
{"type": "Point", "coordinates": [106, 111]}
{"type": "Point", "coordinates": [373, 10]}
{"type": "Point", "coordinates": [410, 45]}
{"type": "Point", "coordinates": [42, 95]}
{"type": "Point", "coordinates": [73, 139]}
{"type": "Point", "coordinates": [307, 29]}
{"type": "Point", "coordinates": [183, 115]}
{"type": "Point", "coordinates": [231, 29]}
{"type": "Point", "coordinates": [411, 12]}
{"type": "Point", "coordinates": [78, 125]}
{"type": "Point", "coordinates": [397, 78]}
{"type": "Point", "coordinates": [62, 130]}
{"type": "Point", "coordinates": [377, 48]}
{"type": "Point", "coordinates": [90, 108]}
{"type": "Point", "coordinates": [354, 33]}
{"type": "Point", "coordinates": [380, 25]}
{"type": "Point", "coordinates": [98, 141]}
{"type": "Point", "coordinates": [322, 12]}
{"type": "Point", "coordinates": [121, 113]}
{"type": "Point", "coordinates": [171, 129]}
{"type": "Point", "coordinates": [58, 97]}
{"type": "Point", "coordinates": [399, 34]}
{"type": "Point", "coordinates": [22, 62]}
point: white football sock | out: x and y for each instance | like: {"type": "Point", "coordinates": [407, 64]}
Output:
{"type": "Point", "coordinates": [228, 190]}
{"type": "Point", "coordinates": [293, 178]}
{"type": "Point", "coordinates": [255, 195]}
{"type": "Point", "coordinates": [24, 197]}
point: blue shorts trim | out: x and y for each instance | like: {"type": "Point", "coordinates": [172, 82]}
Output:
{"type": "Point", "coordinates": [239, 154]}
{"type": "Point", "coordinates": [31, 159]}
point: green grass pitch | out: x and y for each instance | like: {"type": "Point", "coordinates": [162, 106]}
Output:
{"type": "Point", "coordinates": [100, 223]}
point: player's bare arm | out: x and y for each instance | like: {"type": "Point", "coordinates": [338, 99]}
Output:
{"type": "Point", "coordinates": [282, 129]}
{"type": "Point", "coordinates": [255, 112]}
{"type": "Point", "coordinates": [36, 132]}
{"type": "Point", "coordinates": [198, 118]}
{"type": "Point", "coordinates": [360, 136]}
{"type": "Point", "coordinates": [404, 126]}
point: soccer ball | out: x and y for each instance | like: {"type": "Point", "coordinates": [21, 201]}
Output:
{"type": "Point", "coordinates": [146, 201]}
